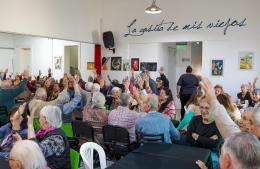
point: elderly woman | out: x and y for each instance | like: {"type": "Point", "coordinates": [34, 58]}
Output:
{"type": "Point", "coordinates": [113, 101]}
{"type": "Point", "coordinates": [244, 94]}
{"type": "Point", "coordinates": [96, 115]}
{"type": "Point", "coordinates": [202, 131]}
{"type": "Point", "coordinates": [51, 139]}
{"type": "Point", "coordinates": [18, 124]}
{"type": "Point", "coordinates": [218, 89]}
{"type": "Point", "coordinates": [166, 103]}
{"type": "Point", "coordinates": [231, 108]}
{"type": "Point", "coordinates": [26, 154]}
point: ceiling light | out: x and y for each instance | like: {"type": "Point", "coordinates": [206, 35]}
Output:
{"type": "Point", "coordinates": [153, 9]}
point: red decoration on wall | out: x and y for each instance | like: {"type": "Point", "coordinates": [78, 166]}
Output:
{"type": "Point", "coordinates": [98, 58]}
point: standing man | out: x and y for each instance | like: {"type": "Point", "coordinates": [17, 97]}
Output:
{"type": "Point", "coordinates": [186, 85]}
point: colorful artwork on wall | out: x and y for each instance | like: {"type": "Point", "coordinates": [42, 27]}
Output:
{"type": "Point", "coordinates": [246, 60]}
{"type": "Point", "coordinates": [135, 64]}
{"type": "Point", "coordinates": [217, 67]}
{"type": "Point", "coordinates": [150, 66]}
{"type": "Point", "coordinates": [116, 63]}
{"type": "Point", "coordinates": [126, 65]}
{"type": "Point", "coordinates": [90, 66]}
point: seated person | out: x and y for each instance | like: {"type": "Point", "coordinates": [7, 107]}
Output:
{"type": "Point", "coordinates": [114, 100]}
{"type": "Point", "coordinates": [124, 117]}
{"type": "Point", "coordinates": [55, 92]}
{"type": "Point", "coordinates": [18, 124]}
{"type": "Point", "coordinates": [192, 109]}
{"type": "Point", "coordinates": [96, 115]}
{"type": "Point", "coordinates": [218, 89]}
{"type": "Point", "coordinates": [26, 154]}
{"type": "Point", "coordinates": [202, 131]}
{"type": "Point", "coordinates": [240, 151]}
{"type": "Point", "coordinates": [231, 108]}
{"type": "Point", "coordinates": [255, 98]}
{"type": "Point", "coordinates": [51, 139]}
{"type": "Point", "coordinates": [244, 94]}
{"type": "Point", "coordinates": [166, 103]}
{"type": "Point", "coordinates": [155, 122]}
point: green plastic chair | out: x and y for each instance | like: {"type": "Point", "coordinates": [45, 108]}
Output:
{"type": "Point", "coordinates": [74, 159]}
{"type": "Point", "coordinates": [36, 124]}
{"type": "Point", "coordinates": [67, 128]}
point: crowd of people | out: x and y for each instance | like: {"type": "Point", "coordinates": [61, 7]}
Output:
{"type": "Point", "coordinates": [209, 116]}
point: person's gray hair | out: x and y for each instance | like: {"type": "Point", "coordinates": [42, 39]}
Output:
{"type": "Point", "coordinates": [98, 100]}
{"type": "Point", "coordinates": [116, 89]}
{"type": "Point", "coordinates": [29, 154]}
{"type": "Point", "coordinates": [89, 86]}
{"type": "Point", "coordinates": [96, 87]}
{"type": "Point", "coordinates": [256, 115]}
{"type": "Point", "coordinates": [244, 150]}
{"type": "Point", "coordinates": [52, 115]}
{"type": "Point", "coordinates": [6, 83]}
{"type": "Point", "coordinates": [40, 93]}
{"type": "Point", "coordinates": [125, 99]}
{"type": "Point", "coordinates": [153, 102]}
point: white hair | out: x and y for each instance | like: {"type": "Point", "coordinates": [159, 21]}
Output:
{"type": "Point", "coordinates": [125, 99]}
{"type": "Point", "coordinates": [256, 112]}
{"type": "Point", "coordinates": [29, 154]}
{"type": "Point", "coordinates": [96, 87]}
{"type": "Point", "coordinates": [244, 150]}
{"type": "Point", "coordinates": [114, 89]}
{"type": "Point", "coordinates": [52, 115]}
{"type": "Point", "coordinates": [40, 93]}
{"type": "Point", "coordinates": [89, 86]}
{"type": "Point", "coordinates": [98, 100]}
{"type": "Point", "coordinates": [153, 102]}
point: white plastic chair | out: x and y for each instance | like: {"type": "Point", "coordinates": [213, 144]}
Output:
{"type": "Point", "coordinates": [86, 152]}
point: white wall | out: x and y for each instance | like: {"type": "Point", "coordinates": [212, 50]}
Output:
{"type": "Point", "coordinates": [229, 51]}
{"type": "Point", "coordinates": [86, 55]}
{"type": "Point", "coordinates": [118, 14]}
{"type": "Point", "coordinates": [66, 19]}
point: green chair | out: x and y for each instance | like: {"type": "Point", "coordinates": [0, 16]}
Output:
{"type": "Point", "coordinates": [74, 159]}
{"type": "Point", "coordinates": [36, 124]}
{"type": "Point", "coordinates": [67, 128]}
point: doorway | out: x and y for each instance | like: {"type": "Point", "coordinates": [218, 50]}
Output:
{"type": "Point", "coordinates": [24, 60]}
{"type": "Point", "coordinates": [71, 61]}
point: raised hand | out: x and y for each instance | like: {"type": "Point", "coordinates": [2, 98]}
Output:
{"type": "Point", "coordinates": [201, 164]}
{"type": "Point", "coordinates": [208, 89]}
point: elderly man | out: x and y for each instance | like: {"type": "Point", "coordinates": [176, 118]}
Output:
{"type": "Point", "coordinates": [240, 151]}
{"type": "Point", "coordinates": [225, 124]}
{"type": "Point", "coordinates": [156, 123]}
{"type": "Point", "coordinates": [8, 92]}
{"type": "Point", "coordinates": [124, 117]}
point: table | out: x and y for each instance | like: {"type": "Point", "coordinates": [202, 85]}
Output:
{"type": "Point", "coordinates": [4, 164]}
{"type": "Point", "coordinates": [164, 156]}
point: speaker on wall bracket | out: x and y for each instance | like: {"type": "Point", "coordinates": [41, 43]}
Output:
{"type": "Point", "coordinates": [108, 39]}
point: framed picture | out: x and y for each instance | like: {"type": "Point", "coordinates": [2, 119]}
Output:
{"type": "Point", "coordinates": [126, 65]}
{"type": "Point", "coordinates": [57, 62]}
{"type": "Point", "coordinates": [150, 66]}
{"type": "Point", "coordinates": [217, 67]}
{"type": "Point", "coordinates": [90, 66]}
{"type": "Point", "coordinates": [116, 63]}
{"type": "Point", "coordinates": [246, 60]}
{"type": "Point", "coordinates": [105, 63]}
{"type": "Point", "coordinates": [135, 64]}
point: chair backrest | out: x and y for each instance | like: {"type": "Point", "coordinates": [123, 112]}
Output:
{"type": "Point", "coordinates": [83, 130]}
{"type": "Point", "coordinates": [155, 138]}
{"type": "Point", "coordinates": [86, 153]}
{"type": "Point", "coordinates": [67, 128]}
{"type": "Point", "coordinates": [74, 159]}
{"type": "Point", "coordinates": [77, 114]}
{"type": "Point", "coordinates": [115, 134]}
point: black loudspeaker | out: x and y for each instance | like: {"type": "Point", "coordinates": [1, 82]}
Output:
{"type": "Point", "coordinates": [108, 39]}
